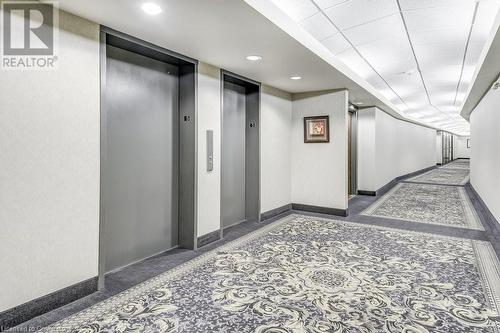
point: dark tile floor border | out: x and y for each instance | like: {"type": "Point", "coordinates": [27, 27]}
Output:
{"type": "Point", "coordinates": [44, 304]}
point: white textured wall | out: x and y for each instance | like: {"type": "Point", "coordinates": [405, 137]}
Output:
{"type": "Point", "coordinates": [319, 170]}
{"type": "Point", "coordinates": [49, 174]}
{"type": "Point", "coordinates": [485, 151]}
{"type": "Point", "coordinates": [366, 149]}
{"type": "Point", "coordinates": [209, 118]}
{"type": "Point", "coordinates": [276, 150]}
{"type": "Point", "coordinates": [461, 150]}
{"type": "Point", "coordinates": [401, 147]}
{"type": "Point", "coordinates": [389, 148]}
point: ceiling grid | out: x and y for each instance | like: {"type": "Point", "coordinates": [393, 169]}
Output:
{"type": "Point", "coordinates": [419, 54]}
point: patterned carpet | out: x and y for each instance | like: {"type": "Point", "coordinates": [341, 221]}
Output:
{"type": "Point", "coordinates": [458, 164]}
{"type": "Point", "coordinates": [443, 176]}
{"type": "Point", "coordinates": [434, 204]}
{"type": "Point", "coordinates": [305, 274]}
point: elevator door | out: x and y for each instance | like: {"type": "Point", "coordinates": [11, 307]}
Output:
{"type": "Point", "coordinates": [140, 168]}
{"type": "Point", "coordinates": [233, 158]}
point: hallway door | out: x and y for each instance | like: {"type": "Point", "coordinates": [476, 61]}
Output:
{"type": "Point", "coordinates": [140, 174]}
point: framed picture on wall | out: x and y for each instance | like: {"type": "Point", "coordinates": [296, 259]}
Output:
{"type": "Point", "coordinates": [316, 129]}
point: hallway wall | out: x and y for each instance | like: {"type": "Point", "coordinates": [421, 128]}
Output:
{"type": "Point", "coordinates": [276, 115]}
{"type": "Point", "coordinates": [485, 150]}
{"type": "Point", "coordinates": [209, 118]}
{"type": "Point", "coordinates": [49, 174]}
{"type": "Point", "coordinates": [319, 170]}
{"type": "Point", "coordinates": [461, 150]}
{"type": "Point", "coordinates": [276, 148]}
{"type": "Point", "coordinates": [389, 148]}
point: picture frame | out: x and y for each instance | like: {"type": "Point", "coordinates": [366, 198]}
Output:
{"type": "Point", "coordinates": [468, 143]}
{"type": "Point", "coordinates": [317, 129]}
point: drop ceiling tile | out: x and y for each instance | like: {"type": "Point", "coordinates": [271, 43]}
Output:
{"type": "Point", "coordinates": [319, 26]}
{"type": "Point", "coordinates": [442, 73]}
{"type": "Point", "coordinates": [298, 10]}
{"type": "Point", "coordinates": [418, 4]}
{"type": "Point", "coordinates": [336, 44]}
{"type": "Point", "coordinates": [417, 102]}
{"type": "Point", "coordinates": [457, 34]}
{"type": "Point", "coordinates": [439, 17]}
{"type": "Point", "coordinates": [385, 28]}
{"type": "Point", "coordinates": [389, 56]}
{"type": "Point", "coordinates": [434, 57]}
{"type": "Point", "coordinates": [406, 85]}
{"type": "Point", "coordinates": [485, 19]}
{"type": "Point", "coordinates": [325, 4]}
{"type": "Point", "coordinates": [377, 82]}
{"type": "Point", "coordinates": [356, 12]}
{"type": "Point", "coordinates": [356, 63]}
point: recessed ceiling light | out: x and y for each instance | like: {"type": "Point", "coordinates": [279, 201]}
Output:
{"type": "Point", "coordinates": [295, 77]}
{"type": "Point", "coordinates": [151, 8]}
{"type": "Point", "coordinates": [254, 58]}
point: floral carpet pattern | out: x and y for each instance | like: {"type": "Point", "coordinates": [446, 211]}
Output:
{"type": "Point", "coordinates": [458, 164]}
{"type": "Point", "coordinates": [443, 176]}
{"type": "Point", "coordinates": [306, 274]}
{"type": "Point", "coordinates": [433, 204]}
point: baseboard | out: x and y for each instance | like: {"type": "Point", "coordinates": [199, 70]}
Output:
{"type": "Point", "coordinates": [492, 226]}
{"type": "Point", "coordinates": [371, 193]}
{"type": "Point", "coordinates": [393, 182]}
{"type": "Point", "coordinates": [321, 210]}
{"type": "Point", "coordinates": [414, 173]}
{"type": "Point", "coordinates": [275, 212]}
{"type": "Point", "coordinates": [37, 307]}
{"type": "Point", "coordinates": [463, 158]}
{"type": "Point", "coordinates": [208, 238]}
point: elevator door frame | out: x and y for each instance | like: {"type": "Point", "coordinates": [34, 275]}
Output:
{"type": "Point", "coordinates": [187, 146]}
{"type": "Point", "coordinates": [353, 143]}
{"type": "Point", "coordinates": [245, 81]}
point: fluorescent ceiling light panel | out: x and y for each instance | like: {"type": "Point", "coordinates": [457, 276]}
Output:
{"type": "Point", "coordinates": [295, 77]}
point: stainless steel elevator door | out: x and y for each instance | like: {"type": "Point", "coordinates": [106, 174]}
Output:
{"type": "Point", "coordinates": [140, 163]}
{"type": "Point", "coordinates": [233, 157]}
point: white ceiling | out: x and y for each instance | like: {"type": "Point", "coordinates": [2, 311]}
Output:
{"type": "Point", "coordinates": [223, 32]}
{"type": "Point", "coordinates": [366, 56]}
{"type": "Point", "coordinates": [421, 55]}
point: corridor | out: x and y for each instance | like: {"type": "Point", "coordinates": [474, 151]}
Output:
{"type": "Point", "coordinates": [250, 166]}
{"type": "Point", "coordinates": [415, 259]}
